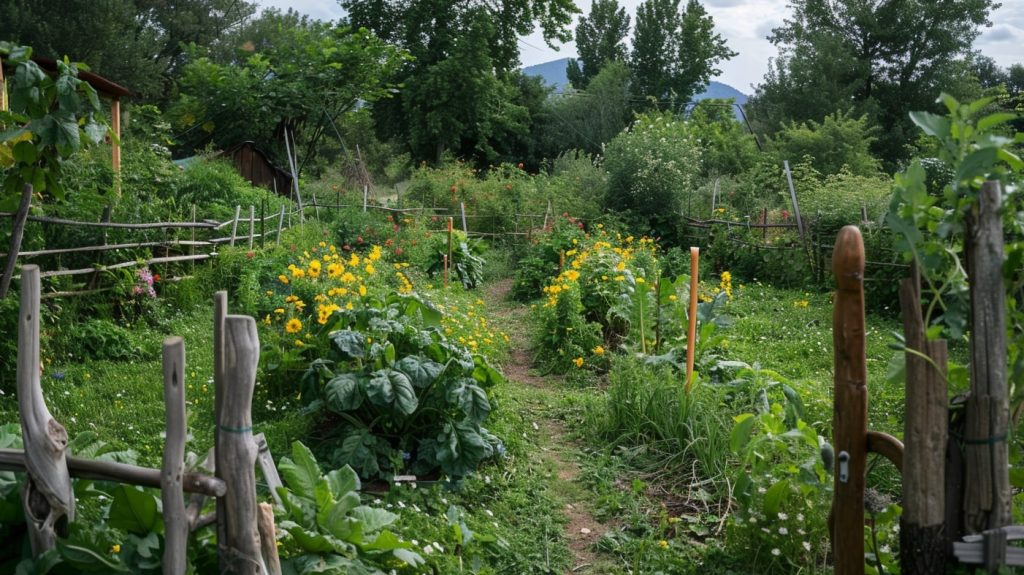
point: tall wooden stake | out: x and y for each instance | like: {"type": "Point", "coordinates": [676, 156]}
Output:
{"type": "Point", "coordinates": [450, 230]}
{"type": "Point", "coordinates": [850, 414]}
{"type": "Point", "coordinates": [176, 523]}
{"type": "Point", "coordinates": [446, 271]}
{"type": "Point", "coordinates": [3, 88]}
{"type": "Point", "coordinates": [987, 500]}
{"type": "Point", "coordinates": [220, 312]}
{"type": "Point", "coordinates": [922, 536]}
{"type": "Point", "coordinates": [252, 224]}
{"type": "Point", "coordinates": [236, 450]}
{"type": "Point", "coordinates": [462, 209]}
{"type": "Point", "coordinates": [792, 195]}
{"type": "Point", "coordinates": [234, 224]}
{"type": "Point", "coordinates": [691, 334]}
{"type": "Point", "coordinates": [115, 154]}
{"type": "Point", "coordinates": [47, 495]}
{"type": "Point", "coordinates": [280, 224]}
{"type": "Point", "coordinates": [17, 232]}
{"type": "Point", "coordinates": [289, 146]}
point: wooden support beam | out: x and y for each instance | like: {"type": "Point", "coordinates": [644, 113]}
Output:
{"type": "Point", "coordinates": [47, 494]}
{"type": "Point", "coordinates": [17, 232]}
{"type": "Point", "coordinates": [850, 414]}
{"type": "Point", "coordinates": [987, 498]}
{"type": "Point", "coordinates": [922, 525]}
{"type": "Point", "coordinates": [115, 154]}
{"type": "Point", "coordinates": [3, 88]}
{"type": "Point", "coordinates": [268, 539]}
{"type": "Point", "coordinates": [236, 451]}
{"type": "Point", "coordinates": [176, 524]}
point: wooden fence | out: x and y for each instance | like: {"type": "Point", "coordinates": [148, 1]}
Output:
{"type": "Point", "coordinates": [242, 522]}
{"type": "Point", "coordinates": [956, 491]}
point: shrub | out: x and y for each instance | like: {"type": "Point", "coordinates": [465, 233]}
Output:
{"type": "Point", "coordinates": [651, 166]}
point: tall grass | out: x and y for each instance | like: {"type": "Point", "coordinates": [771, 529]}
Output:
{"type": "Point", "coordinates": [679, 434]}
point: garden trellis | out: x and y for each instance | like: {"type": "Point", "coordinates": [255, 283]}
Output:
{"type": "Point", "coordinates": [242, 523]}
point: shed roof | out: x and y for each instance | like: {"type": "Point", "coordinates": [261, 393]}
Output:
{"type": "Point", "coordinates": [103, 86]}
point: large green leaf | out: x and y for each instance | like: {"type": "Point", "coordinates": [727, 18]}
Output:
{"type": "Point", "coordinates": [461, 449]}
{"type": "Point", "coordinates": [345, 392]}
{"type": "Point", "coordinates": [741, 431]}
{"type": "Point", "coordinates": [421, 371]}
{"type": "Point", "coordinates": [484, 373]}
{"type": "Point", "coordinates": [301, 473]}
{"type": "Point", "coordinates": [343, 481]}
{"type": "Point", "coordinates": [373, 519]}
{"type": "Point", "coordinates": [775, 497]}
{"type": "Point", "coordinates": [932, 124]}
{"type": "Point", "coordinates": [335, 519]}
{"type": "Point", "coordinates": [351, 344]}
{"type": "Point", "coordinates": [471, 399]}
{"type": "Point", "coordinates": [134, 510]}
{"type": "Point", "coordinates": [392, 390]}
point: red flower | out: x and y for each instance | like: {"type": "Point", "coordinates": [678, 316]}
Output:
{"type": "Point", "coordinates": [250, 255]}
{"type": "Point", "coordinates": [520, 165]}
{"type": "Point", "coordinates": [156, 278]}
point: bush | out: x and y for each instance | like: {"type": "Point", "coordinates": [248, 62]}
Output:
{"type": "Point", "coordinates": [651, 167]}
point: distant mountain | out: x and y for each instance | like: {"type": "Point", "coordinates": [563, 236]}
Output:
{"type": "Point", "coordinates": [554, 75]}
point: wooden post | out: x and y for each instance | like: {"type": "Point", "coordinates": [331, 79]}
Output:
{"type": "Point", "coordinates": [263, 223]}
{"type": "Point", "coordinates": [46, 495]}
{"type": "Point", "coordinates": [252, 224]}
{"type": "Point", "coordinates": [115, 154]}
{"type": "Point", "coordinates": [922, 525]}
{"type": "Point", "coordinates": [267, 467]}
{"type": "Point", "coordinates": [657, 313]}
{"type": "Point", "coordinates": [792, 194]}
{"type": "Point", "coordinates": [17, 232]}
{"type": "Point", "coordinates": [268, 538]}
{"type": "Point", "coordinates": [220, 311]}
{"type": "Point", "coordinates": [987, 500]}
{"type": "Point", "coordinates": [176, 524]}
{"type": "Point", "coordinates": [850, 413]}
{"type": "Point", "coordinates": [192, 248]}
{"type": "Point", "coordinates": [691, 333]}
{"type": "Point", "coordinates": [236, 450]}
{"type": "Point", "coordinates": [366, 195]}
{"type": "Point", "coordinates": [764, 222]}
{"type": "Point", "coordinates": [280, 224]}
{"type": "Point", "coordinates": [561, 261]}
{"type": "Point", "coordinates": [462, 208]}
{"type": "Point", "coordinates": [316, 207]}
{"type": "Point", "coordinates": [450, 231]}
{"type": "Point", "coordinates": [234, 224]}
{"type": "Point", "coordinates": [445, 270]}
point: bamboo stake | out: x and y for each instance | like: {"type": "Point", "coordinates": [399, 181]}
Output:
{"type": "Point", "coordinates": [691, 341]}
{"type": "Point", "coordinates": [47, 495]}
{"type": "Point", "coordinates": [450, 240]}
{"type": "Point", "coordinates": [280, 224]}
{"type": "Point", "coordinates": [252, 223]}
{"type": "Point", "coordinates": [850, 414]}
{"type": "Point", "coordinates": [3, 88]}
{"type": "Point", "coordinates": [176, 525]}
{"type": "Point", "coordinates": [234, 224]}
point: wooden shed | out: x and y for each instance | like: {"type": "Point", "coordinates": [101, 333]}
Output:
{"type": "Point", "coordinates": [256, 167]}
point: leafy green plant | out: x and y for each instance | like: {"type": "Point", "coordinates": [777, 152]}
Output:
{"type": "Point", "coordinates": [328, 528]}
{"type": "Point", "coordinates": [407, 397]}
{"type": "Point", "coordinates": [467, 263]}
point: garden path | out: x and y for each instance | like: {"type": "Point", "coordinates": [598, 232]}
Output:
{"type": "Point", "coordinates": [558, 451]}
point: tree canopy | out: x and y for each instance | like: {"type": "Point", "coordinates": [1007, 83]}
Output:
{"type": "Point", "coordinates": [600, 39]}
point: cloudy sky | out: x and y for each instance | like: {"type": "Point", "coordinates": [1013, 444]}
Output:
{"type": "Point", "coordinates": [743, 23]}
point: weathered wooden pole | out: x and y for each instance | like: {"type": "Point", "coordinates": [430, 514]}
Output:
{"type": "Point", "coordinates": [234, 224]}
{"type": "Point", "coordinates": [267, 467]}
{"type": "Point", "coordinates": [987, 500]}
{"type": "Point", "coordinates": [290, 149]}
{"type": "Point", "coordinates": [280, 224]}
{"type": "Point", "coordinates": [691, 333]}
{"type": "Point", "coordinates": [236, 450]}
{"type": "Point", "coordinates": [792, 195]}
{"type": "Point", "coordinates": [3, 88]}
{"type": "Point", "coordinates": [115, 154]}
{"type": "Point", "coordinates": [922, 525]}
{"type": "Point", "coordinates": [47, 495]}
{"type": "Point", "coordinates": [252, 224]}
{"type": "Point", "coordinates": [462, 209]}
{"type": "Point", "coordinates": [17, 232]}
{"type": "Point", "coordinates": [850, 410]}
{"type": "Point", "coordinates": [268, 539]}
{"type": "Point", "coordinates": [176, 524]}
{"type": "Point", "coordinates": [220, 312]}
{"type": "Point", "coordinates": [450, 231]}
{"type": "Point", "coordinates": [445, 261]}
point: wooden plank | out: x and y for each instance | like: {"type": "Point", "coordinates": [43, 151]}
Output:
{"type": "Point", "coordinates": [974, 553]}
{"type": "Point", "coordinates": [236, 451]}
{"type": "Point", "coordinates": [267, 467]}
{"type": "Point", "coordinates": [17, 232]}
{"type": "Point", "coordinates": [923, 535]}
{"type": "Point", "coordinates": [987, 497]}
{"type": "Point", "coordinates": [82, 468]}
{"type": "Point", "coordinates": [109, 247]}
{"type": "Point", "coordinates": [268, 539]}
{"type": "Point", "coordinates": [850, 413]}
{"type": "Point", "coordinates": [47, 495]}
{"type": "Point", "coordinates": [151, 261]}
{"type": "Point", "coordinates": [176, 524]}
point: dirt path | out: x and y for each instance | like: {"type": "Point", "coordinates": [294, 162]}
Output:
{"type": "Point", "coordinates": [557, 450]}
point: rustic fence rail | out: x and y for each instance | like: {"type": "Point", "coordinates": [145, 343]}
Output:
{"type": "Point", "coordinates": [245, 529]}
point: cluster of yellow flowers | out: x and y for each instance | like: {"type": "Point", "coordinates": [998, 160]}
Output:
{"type": "Point", "coordinates": [467, 324]}
{"type": "Point", "coordinates": [598, 259]}
{"type": "Point", "coordinates": [341, 280]}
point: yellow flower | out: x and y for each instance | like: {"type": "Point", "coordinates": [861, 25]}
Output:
{"type": "Point", "coordinates": [620, 278]}
{"type": "Point", "coordinates": [599, 350]}
{"type": "Point", "coordinates": [323, 244]}
{"type": "Point", "coordinates": [663, 544]}
{"type": "Point", "coordinates": [349, 306]}
{"type": "Point", "coordinates": [279, 310]}
{"type": "Point", "coordinates": [335, 270]}
{"type": "Point", "coordinates": [116, 548]}
{"type": "Point", "coordinates": [299, 343]}
{"type": "Point", "coordinates": [298, 273]}
{"type": "Point", "coordinates": [578, 361]}
{"type": "Point", "coordinates": [370, 270]}
{"type": "Point", "coordinates": [374, 254]}
{"type": "Point", "coordinates": [314, 268]}
{"type": "Point", "coordinates": [801, 303]}
{"type": "Point", "coordinates": [353, 261]}
{"type": "Point", "coordinates": [293, 326]}
{"type": "Point", "coordinates": [362, 290]}
{"type": "Point", "coordinates": [348, 278]}
{"type": "Point", "coordinates": [572, 275]}
{"type": "Point", "coordinates": [672, 297]}
{"type": "Point", "coordinates": [641, 281]}
{"type": "Point", "coordinates": [621, 267]}
{"type": "Point", "coordinates": [283, 278]}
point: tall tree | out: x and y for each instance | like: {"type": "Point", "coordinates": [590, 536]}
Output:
{"type": "Point", "coordinates": [588, 119]}
{"type": "Point", "coordinates": [599, 39]}
{"type": "Point", "coordinates": [675, 53]}
{"type": "Point", "coordinates": [886, 57]}
{"type": "Point", "coordinates": [456, 86]}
